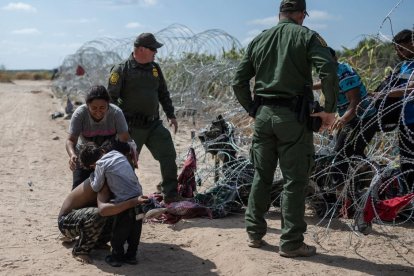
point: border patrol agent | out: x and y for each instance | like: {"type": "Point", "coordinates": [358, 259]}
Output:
{"type": "Point", "coordinates": [281, 60]}
{"type": "Point", "coordinates": [138, 86]}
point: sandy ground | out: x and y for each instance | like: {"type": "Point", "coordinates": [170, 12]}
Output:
{"type": "Point", "coordinates": [35, 179]}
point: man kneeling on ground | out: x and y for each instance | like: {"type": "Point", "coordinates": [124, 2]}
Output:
{"type": "Point", "coordinates": [79, 217]}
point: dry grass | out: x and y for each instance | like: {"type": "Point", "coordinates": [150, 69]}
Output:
{"type": "Point", "coordinates": [9, 76]}
{"type": "Point", "coordinates": [5, 77]}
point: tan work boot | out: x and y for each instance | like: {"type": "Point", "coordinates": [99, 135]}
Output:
{"type": "Point", "coordinates": [255, 243]}
{"type": "Point", "coordinates": [303, 251]}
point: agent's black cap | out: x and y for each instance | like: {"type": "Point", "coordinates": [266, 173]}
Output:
{"type": "Point", "coordinates": [147, 40]}
{"type": "Point", "coordinates": [293, 5]}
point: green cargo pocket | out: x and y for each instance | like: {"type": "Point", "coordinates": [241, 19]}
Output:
{"type": "Point", "coordinates": [251, 154]}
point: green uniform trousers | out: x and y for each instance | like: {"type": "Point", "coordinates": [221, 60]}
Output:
{"type": "Point", "coordinates": [159, 142]}
{"type": "Point", "coordinates": [278, 136]}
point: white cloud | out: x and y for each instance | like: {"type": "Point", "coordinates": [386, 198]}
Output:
{"type": "Point", "coordinates": [19, 6]}
{"type": "Point", "coordinates": [145, 3]}
{"type": "Point", "coordinates": [314, 15]}
{"type": "Point", "coordinates": [316, 26]}
{"type": "Point", "coordinates": [133, 25]}
{"type": "Point", "coordinates": [318, 20]}
{"type": "Point", "coordinates": [149, 2]}
{"type": "Point", "coordinates": [59, 34]}
{"type": "Point", "coordinates": [319, 15]}
{"type": "Point", "coordinates": [81, 20]}
{"type": "Point", "coordinates": [43, 49]}
{"type": "Point", "coordinates": [268, 21]}
{"type": "Point", "coordinates": [53, 46]}
{"type": "Point", "coordinates": [254, 32]}
{"type": "Point", "coordinates": [250, 35]}
{"type": "Point", "coordinates": [263, 22]}
{"type": "Point", "coordinates": [26, 31]}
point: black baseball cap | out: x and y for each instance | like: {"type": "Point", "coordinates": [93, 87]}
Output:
{"type": "Point", "coordinates": [147, 40]}
{"type": "Point", "coordinates": [293, 5]}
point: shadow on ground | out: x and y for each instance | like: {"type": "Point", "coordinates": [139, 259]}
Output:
{"type": "Point", "coordinates": [158, 259]}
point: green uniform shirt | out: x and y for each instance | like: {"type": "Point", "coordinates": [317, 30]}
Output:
{"type": "Point", "coordinates": [140, 88]}
{"type": "Point", "coordinates": [281, 60]}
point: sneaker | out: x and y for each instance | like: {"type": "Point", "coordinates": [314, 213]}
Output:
{"type": "Point", "coordinates": [362, 226]}
{"type": "Point", "coordinates": [158, 188]}
{"type": "Point", "coordinates": [65, 239]}
{"type": "Point", "coordinates": [102, 246]}
{"type": "Point", "coordinates": [255, 243]}
{"type": "Point", "coordinates": [155, 213]}
{"type": "Point", "coordinates": [303, 251]}
{"type": "Point", "coordinates": [112, 261]}
{"type": "Point", "coordinates": [132, 260]}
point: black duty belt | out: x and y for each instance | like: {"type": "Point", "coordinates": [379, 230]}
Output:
{"type": "Point", "coordinates": [138, 119]}
{"type": "Point", "coordinates": [151, 118]}
{"type": "Point", "coordinates": [278, 102]}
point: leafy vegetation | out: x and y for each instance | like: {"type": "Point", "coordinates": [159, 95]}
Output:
{"type": "Point", "coordinates": [372, 59]}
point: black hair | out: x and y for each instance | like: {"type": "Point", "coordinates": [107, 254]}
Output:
{"type": "Point", "coordinates": [89, 154]}
{"type": "Point", "coordinates": [97, 92]}
{"type": "Point", "coordinates": [405, 36]}
{"type": "Point", "coordinates": [115, 144]}
{"type": "Point", "coordinates": [122, 147]}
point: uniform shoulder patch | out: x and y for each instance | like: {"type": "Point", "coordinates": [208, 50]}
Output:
{"type": "Point", "coordinates": [114, 78]}
{"type": "Point", "coordinates": [155, 72]}
{"type": "Point", "coordinates": [321, 40]}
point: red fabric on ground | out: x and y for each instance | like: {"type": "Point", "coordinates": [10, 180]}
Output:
{"type": "Point", "coordinates": [186, 179]}
{"type": "Point", "coordinates": [183, 210]}
{"type": "Point", "coordinates": [388, 209]}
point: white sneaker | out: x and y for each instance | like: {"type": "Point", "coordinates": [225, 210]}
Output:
{"type": "Point", "coordinates": [155, 213]}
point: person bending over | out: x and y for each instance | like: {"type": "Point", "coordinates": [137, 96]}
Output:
{"type": "Point", "coordinates": [114, 169]}
{"type": "Point", "coordinates": [95, 121]}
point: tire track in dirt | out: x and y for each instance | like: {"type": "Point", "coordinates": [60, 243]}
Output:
{"type": "Point", "coordinates": [28, 149]}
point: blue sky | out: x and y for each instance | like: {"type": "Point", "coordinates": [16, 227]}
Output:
{"type": "Point", "coordinates": [38, 34]}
